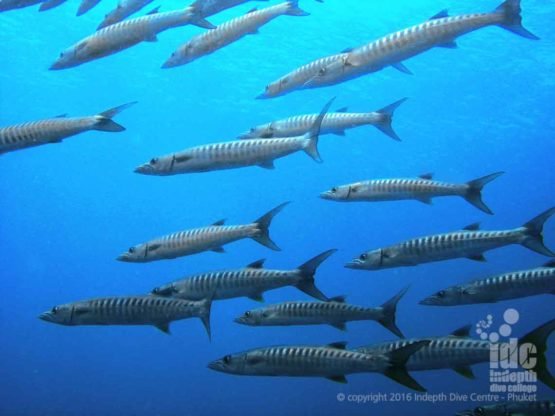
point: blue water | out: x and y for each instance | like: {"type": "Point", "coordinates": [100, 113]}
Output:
{"type": "Point", "coordinates": [69, 209]}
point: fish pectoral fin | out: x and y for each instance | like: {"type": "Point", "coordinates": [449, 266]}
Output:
{"type": "Point", "coordinates": [258, 264]}
{"type": "Point", "coordinates": [338, 379]}
{"type": "Point", "coordinates": [477, 257]}
{"type": "Point", "coordinates": [399, 66]}
{"type": "Point", "coordinates": [338, 345]}
{"type": "Point", "coordinates": [61, 115]}
{"type": "Point", "coordinates": [341, 326]}
{"type": "Point", "coordinates": [472, 227]}
{"type": "Point", "coordinates": [219, 222]}
{"type": "Point", "coordinates": [342, 110]}
{"type": "Point", "coordinates": [258, 297]}
{"type": "Point", "coordinates": [164, 327]}
{"type": "Point", "coordinates": [450, 45]}
{"type": "Point", "coordinates": [267, 165]}
{"type": "Point", "coordinates": [427, 176]}
{"type": "Point", "coordinates": [465, 371]}
{"type": "Point", "coordinates": [218, 250]}
{"type": "Point", "coordinates": [425, 200]}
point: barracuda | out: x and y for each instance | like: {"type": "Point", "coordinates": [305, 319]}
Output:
{"type": "Point", "coordinates": [541, 408]}
{"type": "Point", "coordinates": [458, 352]}
{"type": "Point", "coordinates": [250, 282]}
{"type": "Point", "coordinates": [332, 362]}
{"type": "Point", "coordinates": [493, 289]}
{"type": "Point", "coordinates": [197, 240]}
{"type": "Point", "coordinates": [54, 130]}
{"type": "Point", "coordinates": [124, 9]}
{"type": "Point", "coordinates": [440, 31]}
{"type": "Point", "coordinates": [229, 32]}
{"type": "Point", "coordinates": [422, 189]}
{"type": "Point", "coordinates": [129, 310]}
{"type": "Point", "coordinates": [333, 123]}
{"type": "Point", "coordinates": [236, 154]}
{"type": "Point", "coordinates": [470, 243]}
{"type": "Point", "coordinates": [123, 35]}
{"type": "Point", "coordinates": [335, 313]}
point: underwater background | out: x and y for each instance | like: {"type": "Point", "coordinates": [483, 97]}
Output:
{"type": "Point", "coordinates": [67, 210]}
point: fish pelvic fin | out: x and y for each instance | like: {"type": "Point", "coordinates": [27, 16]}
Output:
{"type": "Point", "coordinates": [538, 338]}
{"type": "Point", "coordinates": [294, 9]}
{"type": "Point", "coordinates": [263, 224]}
{"type": "Point", "coordinates": [385, 126]}
{"type": "Point", "coordinates": [397, 369]}
{"type": "Point", "coordinates": [313, 134]}
{"type": "Point", "coordinates": [307, 271]}
{"type": "Point", "coordinates": [533, 233]}
{"type": "Point", "coordinates": [389, 313]}
{"type": "Point", "coordinates": [510, 9]}
{"type": "Point", "coordinates": [474, 191]}
{"type": "Point", "coordinates": [104, 119]}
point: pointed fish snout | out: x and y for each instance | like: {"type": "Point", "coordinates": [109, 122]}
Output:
{"type": "Point", "coordinates": [326, 195]}
{"type": "Point", "coordinates": [45, 316]}
{"type": "Point", "coordinates": [355, 264]}
{"type": "Point", "coordinates": [215, 365]}
{"type": "Point", "coordinates": [261, 96]}
{"type": "Point", "coordinates": [144, 169]}
{"type": "Point", "coordinates": [122, 257]}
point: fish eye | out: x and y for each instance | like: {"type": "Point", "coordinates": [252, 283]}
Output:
{"type": "Point", "coordinates": [441, 293]}
{"type": "Point", "coordinates": [247, 314]}
{"type": "Point", "coordinates": [61, 54]}
{"type": "Point", "coordinates": [354, 189]}
{"type": "Point", "coordinates": [322, 71]}
{"type": "Point", "coordinates": [55, 309]}
{"type": "Point", "coordinates": [334, 189]}
{"type": "Point", "coordinates": [154, 161]}
{"type": "Point", "coordinates": [363, 256]}
{"type": "Point", "coordinates": [132, 250]}
{"type": "Point", "coordinates": [227, 359]}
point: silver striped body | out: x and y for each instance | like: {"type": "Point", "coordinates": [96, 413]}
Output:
{"type": "Point", "coordinates": [131, 310]}
{"type": "Point", "coordinates": [124, 9]}
{"type": "Point", "coordinates": [189, 242]}
{"type": "Point", "coordinates": [310, 313]}
{"type": "Point", "coordinates": [225, 34]}
{"type": "Point", "coordinates": [122, 35]}
{"type": "Point", "coordinates": [442, 352]}
{"type": "Point", "coordinates": [397, 189]}
{"type": "Point", "coordinates": [227, 284]}
{"type": "Point", "coordinates": [333, 123]}
{"type": "Point", "coordinates": [225, 155]}
{"type": "Point", "coordinates": [296, 80]}
{"type": "Point", "coordinates": [36, 133]}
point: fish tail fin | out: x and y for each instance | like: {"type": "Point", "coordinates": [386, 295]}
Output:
{"type": "Point", "coordinates": [512, 21]}
{"type": "Point", "coordinates": [388, 112]}
{"type": "Point", "coordinates": [307, 271]}
{"type": "Point", "coordinates": [538, 338]}
{"type": "Point", "coordinates": [313, 134]}
{"type": "Point", "coordinates": [105, 122]}
{"type": "Point", "coordinates": [397, 369]}
{"type": "Point", "coordinates": [294, 9]}
{"type": "Point", "coordinates": [205, 316]}
{"type": "Point", "coordinates": [389, 309]}
{"type": "Point", "coordinates": [474, 192]}
{"type": "Point", "coordinates": [263, 224]}
{"type": "Point", "coordinates": [533, 233]}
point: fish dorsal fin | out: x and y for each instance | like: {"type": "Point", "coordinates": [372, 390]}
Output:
{"type": "Point", "coordinates": [463, 332]}
{"type": "Point", "coordinates": [472, 227]}
{"type": "Point", "coordinates": [465, 371]}
{"type": "Point", "coordinates": [258, 264]}
{"type": "Point", "coordinates": [338, 299]}
{"type": "Point", "coordinates": [258, 297]}
{"type": "Point", "coordinates": [154, 11]}
{"type": "Point", "coordinates": [427, 176]}
{"type": "Point", "coordinates": [164, 327]}
{"type": "Point", "coordinates": [442, 14]}
{"type": "Point", "coordinates": [219, 222]}
{"type": "Point", "coordinates": [550, 263]}
{"type": "Point", "coordinates": [342, 110]}
{"type": "Point", "coordinates": [338, 345]}
{"type": "Point", "coordinates": [254, 9]}
{"type": "Point", "coordinates": [61, 115]}
{"type": "Point", "coordinates": [399, 66]}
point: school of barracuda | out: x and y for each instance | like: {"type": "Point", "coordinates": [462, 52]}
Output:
{"type": "Point", "coordinates": [261, 146]}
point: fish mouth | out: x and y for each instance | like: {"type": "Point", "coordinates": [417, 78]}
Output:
{"type": "Point", "coordinates": [56, 66]}
{"type": "Point", "coordinates": [241, 320]}
{"type": "Point", "coordinates": [123, 257]}
{"type": "Point", "coordinates": [327, 195]}
{"type": "Point", "coordinates": [46, 316]}
{"type": "Point", "coordinates": [168, 64]}
{"type": "Point", "coordinates": [355, 264]}
{"type": "Point", "coordinates": [262, 96]}
{"type": "Point", "coordinates": [216, 366]}
{"type": "Point", "coordinates": [429, 301]}
{"type": "Point", "coordinates": [144, 169]}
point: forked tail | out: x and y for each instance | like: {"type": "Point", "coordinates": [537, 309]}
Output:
{"type": "Point", "coordinates": [512, 21]}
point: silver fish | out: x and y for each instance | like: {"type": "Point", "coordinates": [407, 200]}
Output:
{"type": "Point", "coordinates": [335, 313]}
{"type": "Point", "coordinates": [470, 243]}
{"type": "Point", "coordinates": [185, 243]}
{"type": "Point", "coordinates": [331, 361]}
{"type": "Point", "coordinates": [229, 32]}
{"type": "Point", "coordinates": [333, 123]}
{"type": "Point", "coordinates": [123, 35]}
{"type": "Point", "coordinates": [440, 31]}
{"type": "Point", "coordinates": [422, 189]}
{"type": "Point", "coordinates": [539, 408]}
{"type": "Point", "coordinates": [235, 154]}
{"type": "Point", "coordinates": [129, 310]}
{"type": "Point", "coordinates": [250, 282]}
{"type": "Point", "coordinates": [459, 352]}
{"type": "Point", "coordinates": [299, 78]}
{"type": "Point", "coordinates": [497, 288]}
{"type": "Point", "coordinates": [54, 130]}
{"type": "Point", "coordinates": [124, 9]}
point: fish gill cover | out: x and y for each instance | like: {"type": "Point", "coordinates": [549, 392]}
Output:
{"type": "Point", "coordinates": [171, 136]}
